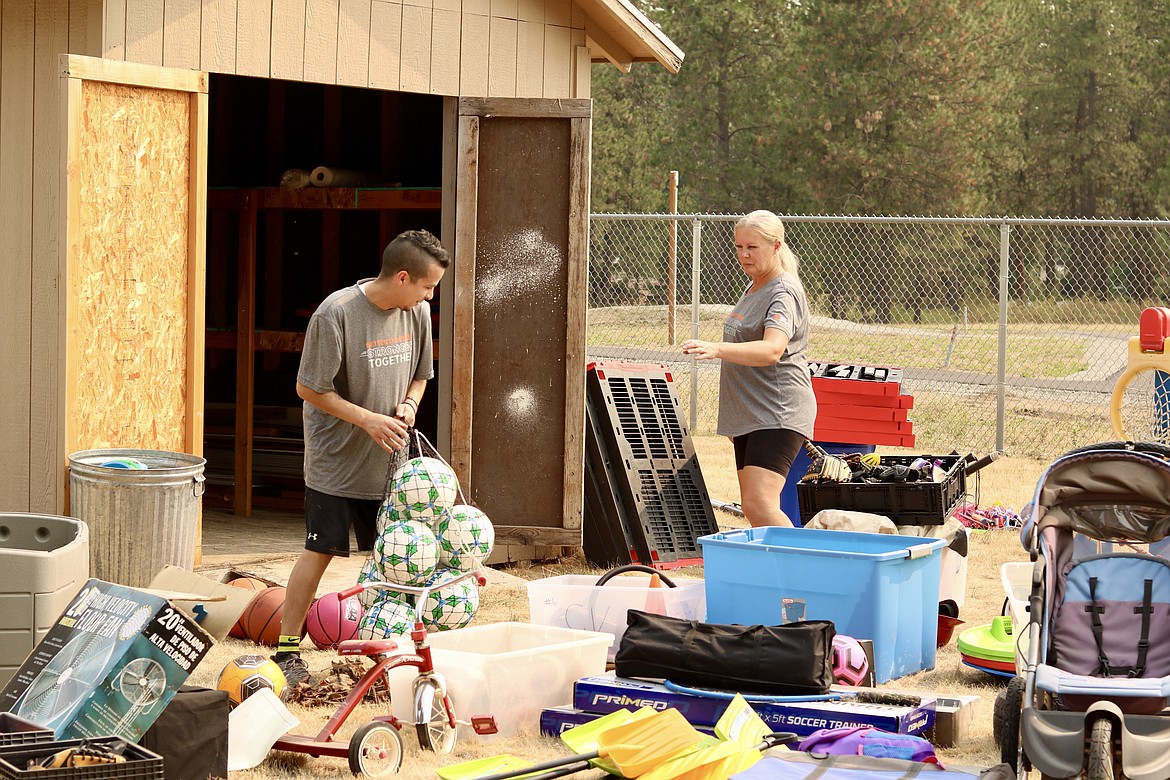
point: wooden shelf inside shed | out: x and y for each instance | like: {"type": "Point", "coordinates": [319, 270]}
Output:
{"type": "Point", "coordinates": [263, 284]}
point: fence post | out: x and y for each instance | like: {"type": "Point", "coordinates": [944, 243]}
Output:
{"type": "Point", "coordinates": [672, 260]}
{"type": "Point", "coordinates": [696, 247]}
{"type": "Point", "coordinates": [1005, 232]}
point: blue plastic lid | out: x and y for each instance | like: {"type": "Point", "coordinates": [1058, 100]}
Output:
{"type": "Point", "coordinates": [124, 463]}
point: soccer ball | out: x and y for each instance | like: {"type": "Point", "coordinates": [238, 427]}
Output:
{"type": "Point", "coordinates": [249, 673]}
{"type": "Point", "coordinates": [450, 606]}
{"type": "Point", "coordinates": [406, 553]}
{"type": "Point", "coordinates": [424, 488]}
{"type": "Point", "coordinates": [466, 538]}
{"type": "Point", "coordinates": [850, 664]}
{"type": "Point", "coordinates": [390, 513]}
{"type": "Point", "coordinates": [386, 619]}
{"type": "Point", "coordinates": [369, 573]}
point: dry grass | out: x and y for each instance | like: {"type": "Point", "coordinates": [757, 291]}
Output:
{"type": "Point", "coordinates": [1009, 481]}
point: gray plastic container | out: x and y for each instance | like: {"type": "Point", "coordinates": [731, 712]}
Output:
{"type": "Point", "coordinates": [45, 560]}
{"type": "Point", "coordinates": [139, 520]}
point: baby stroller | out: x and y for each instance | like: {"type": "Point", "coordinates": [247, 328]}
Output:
{"type": "Point", "coordinates": [1097, 671]}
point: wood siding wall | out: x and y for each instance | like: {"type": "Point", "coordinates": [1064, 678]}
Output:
{"type": "Point", "coordinates": [33, 34]}
{"type": "Point", "coordinates": [480, 48]}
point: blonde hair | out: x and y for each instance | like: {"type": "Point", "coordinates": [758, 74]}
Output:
{"type": "Point", "coordinates": [770, 227]}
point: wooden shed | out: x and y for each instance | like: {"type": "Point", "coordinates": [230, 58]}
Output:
{"type": "Point", "coordinates": [156, 279]}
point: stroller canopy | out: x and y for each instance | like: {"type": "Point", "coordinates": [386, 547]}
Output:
{"type": "Point", "coordinates": [1109, 493]}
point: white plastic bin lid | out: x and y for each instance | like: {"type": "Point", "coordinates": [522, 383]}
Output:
{"type": "Point", "coordinates": [254, 725]}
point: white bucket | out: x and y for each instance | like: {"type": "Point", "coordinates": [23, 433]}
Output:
{"type": "Point", "coordinates": [1017, 583]}
{"type": "Point", "coordinates": [254, 725]}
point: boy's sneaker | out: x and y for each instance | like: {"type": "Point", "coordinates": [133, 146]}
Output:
{"type": "Point", "coordinates": [296, 671]}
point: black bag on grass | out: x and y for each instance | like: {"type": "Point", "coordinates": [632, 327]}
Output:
{"type": "Point", "coordinates": [794, 659]}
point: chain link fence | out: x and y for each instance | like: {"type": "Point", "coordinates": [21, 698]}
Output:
{"type": "Point", "coordinates": [1011, 333]}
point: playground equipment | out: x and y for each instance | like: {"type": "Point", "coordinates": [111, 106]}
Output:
{"type": "Point", "coordinates": [1140, 407]}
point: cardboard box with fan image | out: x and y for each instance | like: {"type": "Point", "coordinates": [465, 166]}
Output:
{"type": "Point", "coordinates": [110, 664]}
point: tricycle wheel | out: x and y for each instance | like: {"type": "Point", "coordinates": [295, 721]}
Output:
{"type": "Point", "coordinates": [375, 750]}
{"type": "Point", "coordinates": [1100, 751]}
{"type": "Point", "coordinates": [435, 731]}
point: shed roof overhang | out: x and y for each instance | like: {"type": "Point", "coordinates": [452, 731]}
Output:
{"type": "Point", "coordinates": [618, 32]}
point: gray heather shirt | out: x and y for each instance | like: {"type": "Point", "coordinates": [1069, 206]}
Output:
{"type": "Point", "coordinates": [753, 398]}
{"type": "Point", "coordinates": [367, 356]}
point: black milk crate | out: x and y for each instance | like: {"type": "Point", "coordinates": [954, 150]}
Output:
{"type": "Point", "coordinates": [18, 731]}
{"type": "Point", "coordinates": [906, 503]}
{"type": "Point", "coordinates": [140, 763]}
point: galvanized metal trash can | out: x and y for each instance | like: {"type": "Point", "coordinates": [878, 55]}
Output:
{"type": "Point", "coordinates": [140, 519]}
{"type": "Point", "coordinates": [45, 561]}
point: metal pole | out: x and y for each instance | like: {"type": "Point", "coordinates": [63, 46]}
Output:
{"type": "Point", "coordinates": [696, 246]}
{"type": "Point", "coordinates": [1005, 232]}
{"type": "Point", "coordinates": [672, 259]}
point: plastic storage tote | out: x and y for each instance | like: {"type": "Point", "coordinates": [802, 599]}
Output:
{"type": "Point", "coordinates": [510, 671]}
{"type": "Point", "coordinates": [578, 601]}
{"type": "Point", "coordinates": [45, 560]}
{"type": "Point", "coordinates": [872, 586]}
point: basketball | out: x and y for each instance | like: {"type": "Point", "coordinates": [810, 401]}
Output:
{"type": "Point", "coordinates": [245, 583]}
{"type": "Point", "coordinates": [247, 674]}
{"type": "Point", "coordinates": [331, 621]}
{"type": "Point", "coordinates": [261, 618]}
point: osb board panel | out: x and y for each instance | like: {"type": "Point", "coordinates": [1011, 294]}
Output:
{"type": "Point", "coordinates": [521, 277]}
{"type": "Point", "coordinates": [129, 277]}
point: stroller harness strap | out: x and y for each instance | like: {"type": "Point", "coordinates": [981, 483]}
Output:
{"type": "Point", "coordinates": [1104, 668]}
{"type": "Point", "coordinates": [1113, 617]}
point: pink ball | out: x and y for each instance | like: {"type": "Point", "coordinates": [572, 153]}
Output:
{"type": "Point", "coordinates": [850, 664]}
{"type": "Point", "coordinates": [331, 621]}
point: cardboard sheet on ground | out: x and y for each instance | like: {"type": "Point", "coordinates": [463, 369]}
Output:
{"type": "Point", "coordinates": [215, 606]}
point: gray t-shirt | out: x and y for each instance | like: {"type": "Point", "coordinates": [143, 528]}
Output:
{"type": "Point", "coordinates": [753, 398]}
{"type": "Point", "coordinates": [368, 356]}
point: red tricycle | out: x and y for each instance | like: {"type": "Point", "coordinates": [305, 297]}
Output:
{"type": "Point", "coordinates": [375, 749]}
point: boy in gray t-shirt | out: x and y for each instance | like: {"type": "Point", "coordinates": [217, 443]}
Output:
{"type": "Point", "coordinates": [364, 367]}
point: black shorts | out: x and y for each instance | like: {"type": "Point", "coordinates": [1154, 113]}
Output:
{"type": "Point", "coordinates": [329, 518]}
{"type": "Point", "coordinates": [773, 449]}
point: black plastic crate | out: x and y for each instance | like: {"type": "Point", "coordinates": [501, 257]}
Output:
{"type": "Point", "coordinates": [643, 472]}
{"type": "Point", "coordinates": [15, 730]}
{"type": "Point", "coordinates": [906, 503]}
{"type": "Point", "coordinates": [140, 764]}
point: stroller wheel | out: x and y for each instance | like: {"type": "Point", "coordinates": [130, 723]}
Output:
{"type": "Point", "coordinates": [1005, 723]}
{"type": "Point", "coordinates": [1100, 751]}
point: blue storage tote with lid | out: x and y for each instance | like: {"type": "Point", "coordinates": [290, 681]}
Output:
{"type": "Point", "coordinates": [882, 587]}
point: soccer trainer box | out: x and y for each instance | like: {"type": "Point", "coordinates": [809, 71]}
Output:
{"type": "Point", "coordinates": [606, 693]}
{"type": "Point", "coordinates": [108, 666]}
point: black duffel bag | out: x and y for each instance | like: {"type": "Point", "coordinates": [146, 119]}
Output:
{"type": "Point", "coordinates": [794, 659]}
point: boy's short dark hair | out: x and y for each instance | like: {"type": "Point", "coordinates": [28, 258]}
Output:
{"type": "Point", "coordinates": [413, 251]}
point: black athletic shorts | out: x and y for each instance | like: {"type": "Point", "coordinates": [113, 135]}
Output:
{"type": "Point", "coordinates": [773, 449]}
{"type": "Point", "coordinates": [329, 518]}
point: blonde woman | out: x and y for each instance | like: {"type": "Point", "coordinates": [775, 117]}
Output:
{"type": "Point", "coordinates": [766, 402]}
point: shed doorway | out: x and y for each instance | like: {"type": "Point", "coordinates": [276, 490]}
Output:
{"type": "Point", "coordinates": [274, 252]}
